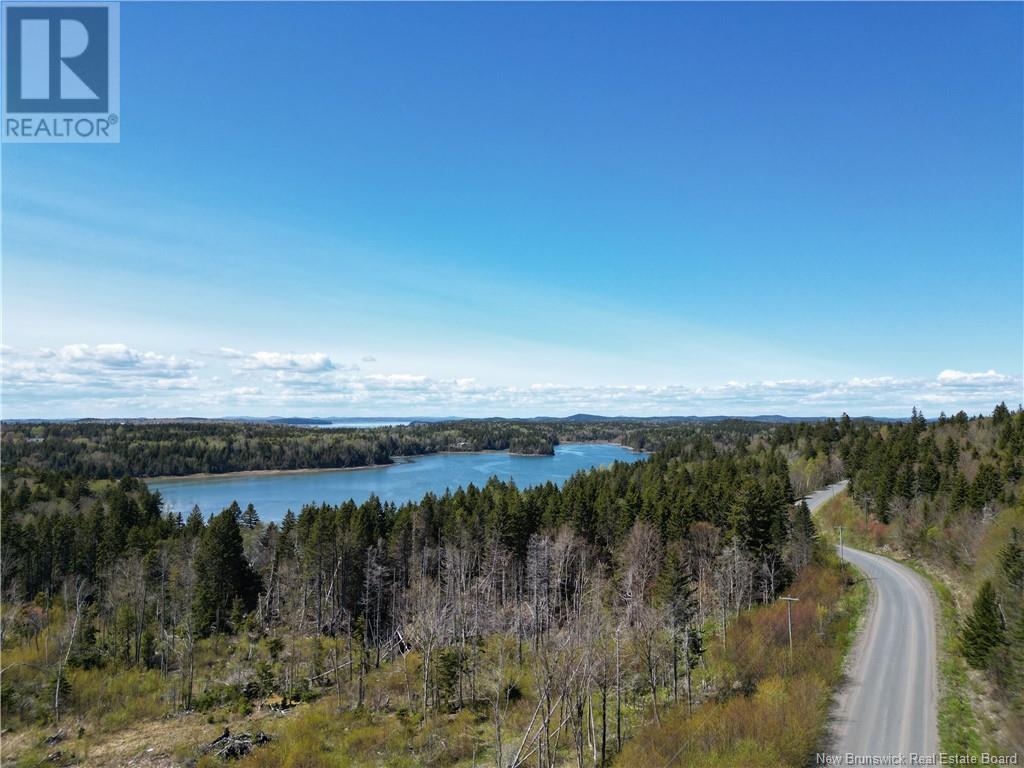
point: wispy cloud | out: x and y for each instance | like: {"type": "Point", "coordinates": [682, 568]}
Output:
{"type": "Point", "coordinates": [310, 362]}
{"type": "Point", "coordinates": [80, 377]}
{"type": "Point", "coordinates": [960, 378]}
{"type": "Point", "coordinates": [284, 362]}
{"type": "Point", "coordinates": [117, 357]}
{"type": "Point", "coordinates": [115, 379]}
{"type": "Point", "coordinates": [115, 365]}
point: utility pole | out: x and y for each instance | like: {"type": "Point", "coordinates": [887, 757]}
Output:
{"type": "Point", "coordinates": [841, 558]}
{"type": "Point", "coordinates": [789, 619]}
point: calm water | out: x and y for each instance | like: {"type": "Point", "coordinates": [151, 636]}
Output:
{"type": "Point", "coordinates": [360, 424]}
{"type": "Point", "coordinates": [272, 495]}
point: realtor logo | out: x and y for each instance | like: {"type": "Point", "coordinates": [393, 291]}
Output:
{"type": "Point", "coordinates": [62, 65]}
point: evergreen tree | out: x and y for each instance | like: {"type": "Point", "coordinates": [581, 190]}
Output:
{"type": "Point", "coordinates": [983, 631]}
{"type": "Point", "coordinates": [195, 524]}
{"type": "Point", "coordinates": [961, 491]}
{"type": "Point", "coordinates": [250, 518]}
{"type": "Point", "coordinates": [222, 574]}
{"type": "Point", "coordinates": [986, 486]}
{"type": "Point", "coordinates": [1001, 413]}
{"type": "Point", "coordinates": [802, 536]}
{"type": "Point", "coordinates": [952, 453]}
{"type": "Point", "coordinates": [1011, 593]}
{"type": "Point", "coordinates": [928, 478]}
{"type": "Point", "coordinates": [676, 591]}
{"type": "Point", "coordinates": [1011, 561]}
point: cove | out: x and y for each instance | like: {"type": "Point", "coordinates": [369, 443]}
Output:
{"type": "Point", "coordinates": [407, 480]}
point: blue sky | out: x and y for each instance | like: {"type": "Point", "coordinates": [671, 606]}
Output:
{"type": "Point", "coordinates": [524, 209]}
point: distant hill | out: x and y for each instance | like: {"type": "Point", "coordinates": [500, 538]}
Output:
{"type": "Point", "coordinates": [767, 419]}
{"type": "Point", "coordinates": [578, 418]}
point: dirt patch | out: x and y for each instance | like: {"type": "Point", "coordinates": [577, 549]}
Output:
{"type": "Point", "coordinates": [167, 742]}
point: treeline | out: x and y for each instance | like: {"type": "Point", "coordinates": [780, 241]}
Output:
{"type": "Point", "coordinates": [56, 526]}
{"type": "Point", "coordinates": [592, 605]}
{"type": "Point", "coordinates": [100, 449]}
{"type": "Point", "coordinates": [992, 639]}
{"type": "Point", "coordinates": [937, 471]}
{"type": "Point", "coordinates": [644, 554]}
{"type": "Point", "coordinates": [949, 491]}
{"type": "Point", "coordinates": [108, 449]}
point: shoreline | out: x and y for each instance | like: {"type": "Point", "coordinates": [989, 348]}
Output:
{"type": "Point", "coordinates": [395, 460]}
{"type": "Point", "coordinates": [241, 473]}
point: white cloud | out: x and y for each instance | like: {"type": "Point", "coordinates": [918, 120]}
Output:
{"type": "Point", "coordinates": [311, 362]}
{"type": "Point", "coordinates": [115, 379]}
{"type": "Point", "coordinates": [119, 357]}
{"type": "Point", "coordinates": [104, 379]}
{"type": "Point", "coordinates": [303, 362]}
{"type": "Point", "coordinates": [951, 377]}
{"type": "Point", "coordinates": [88, 365]}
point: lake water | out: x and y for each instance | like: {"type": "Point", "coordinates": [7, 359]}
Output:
{"type": "Point", "coordinates": [274, 494]}
{"type": "Point", "coordinates": [364, 424]}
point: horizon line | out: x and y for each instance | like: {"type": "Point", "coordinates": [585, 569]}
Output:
{"type": "Point", "coordinates": [454, 417]}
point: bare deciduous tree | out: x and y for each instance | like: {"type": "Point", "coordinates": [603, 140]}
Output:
{"type": "Point", "coordinates": [76, 593]}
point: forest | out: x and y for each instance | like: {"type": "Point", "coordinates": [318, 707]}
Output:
{"type": "Point", "coordinates": [947, 493]}
{"type": "Point", "coordinates": [631, 612]}
{"type": "Point", "coordinates": [153, 448]}
{"type": "Point", "coordinates": [106, 449]}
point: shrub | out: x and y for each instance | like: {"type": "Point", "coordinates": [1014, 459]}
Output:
{"type": "Point", "coordinates": [219, 695]}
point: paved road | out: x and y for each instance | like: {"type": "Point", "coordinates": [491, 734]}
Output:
{"type": "Point", "coordinates": [888, 705]}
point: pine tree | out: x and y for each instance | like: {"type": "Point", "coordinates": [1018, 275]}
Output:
{"type": "Point", "coordinates": [1001, 413]}
{"type": "Point", "coordinates": [250, 518]}
{"type": "Point", "coordinates": [195, 524]}
{"type": "Point", "coordinates": [802, 536]}
{"type": "Point", "coordinates": [677, 593]}
{"type": "Point", "coordinates": [235, 510]}
{"type": "Point", "coordinates": [928, 478]}
{"type": "Point", "coordinates": [983, 631]}
{"type": "Point", "coordinates": [1011, 561]}
{"type": "Point", "coordinates": [1010, 662]}
{"type": "Point", "coordinates": [222, 574]}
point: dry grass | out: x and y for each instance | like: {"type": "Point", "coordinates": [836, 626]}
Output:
{"type": "Point", "coordinates": [151, 743]}
{"type": "Point", "coordinates": [781, 721]}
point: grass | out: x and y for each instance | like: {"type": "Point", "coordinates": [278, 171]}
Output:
{"type": "Point", "coordinates": [117, 701]}
{"type": "Point", "coordinates": [391, 731]}
{"type": "Point", "coordinates": [322, 736]}
{"type": "Point", "coordinates": [122, 716]}
{"type": "Point", "coordinates": [958, 725]}
{"type": "Point", "coordinates": [755, 709]}
{"type": "Point", "coordinates": [782, 721]}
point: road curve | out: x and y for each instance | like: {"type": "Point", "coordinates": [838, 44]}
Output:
{"type": "Point", "coordinates": [887, 705]}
